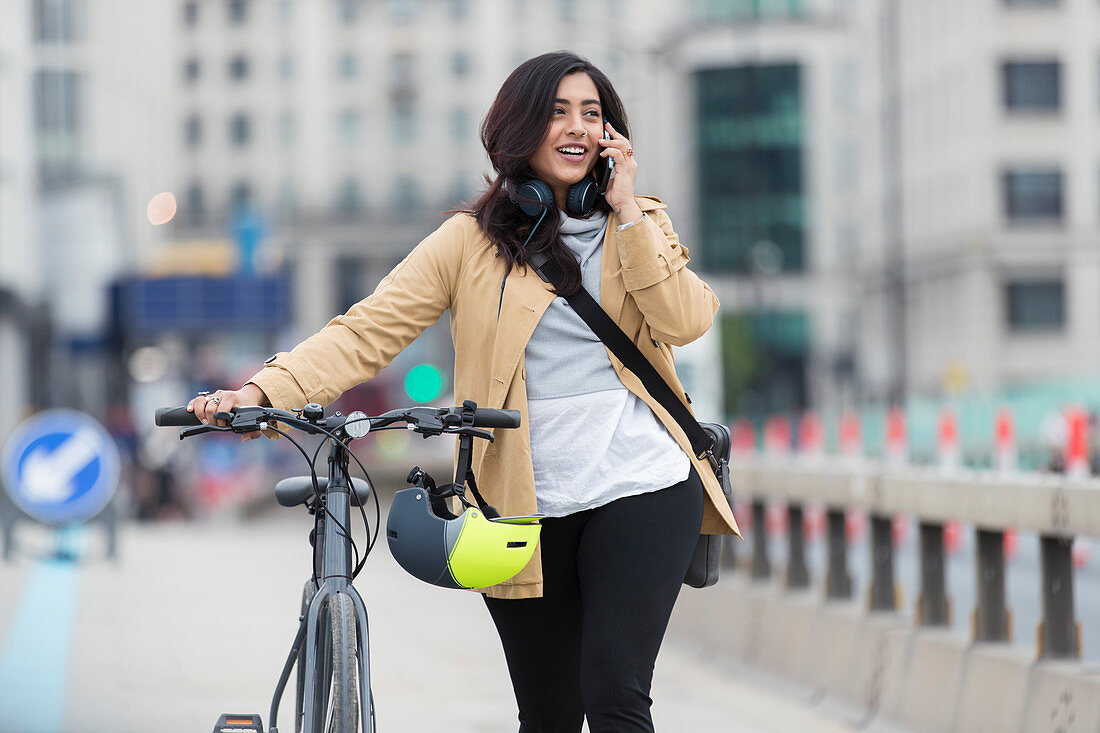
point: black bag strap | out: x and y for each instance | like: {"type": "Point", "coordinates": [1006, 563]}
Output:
{"type": "Point", "coordinates": [628, 353]}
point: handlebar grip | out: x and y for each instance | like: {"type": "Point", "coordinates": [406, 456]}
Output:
{"type": "Point", "coordinates": [487, 417]}
{"type": "Point", "coordinates": [175, 417]}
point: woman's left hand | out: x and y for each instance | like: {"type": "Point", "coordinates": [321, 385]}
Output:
{"type": "Point", "coordinates": [620, 192]}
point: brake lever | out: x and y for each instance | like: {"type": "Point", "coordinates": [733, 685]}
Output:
{"type": "Point", "coordinates": [200, 429]}
{"type": "Point", "coordinates": [473, 432]}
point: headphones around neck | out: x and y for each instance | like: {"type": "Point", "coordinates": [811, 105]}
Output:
{"type": "Point", "coordinates": [535, 197]}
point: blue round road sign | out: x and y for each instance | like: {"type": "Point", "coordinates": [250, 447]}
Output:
{"type": "Point", "coordinates": [60, 466]}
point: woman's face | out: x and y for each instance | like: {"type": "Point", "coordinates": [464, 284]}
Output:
{"type": "Point", "coordinates": [567, 154]}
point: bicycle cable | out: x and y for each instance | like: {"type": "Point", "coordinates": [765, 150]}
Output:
{"type": "Point", "coordinates": [317, 495]}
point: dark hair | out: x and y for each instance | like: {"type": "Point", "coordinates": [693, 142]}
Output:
{"type": "Point", "coordinates": [512, 132]}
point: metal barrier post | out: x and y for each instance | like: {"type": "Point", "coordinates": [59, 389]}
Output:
{"type": "Point", "coordinates": [883, 597]}
{"type": "Point", "coordinates": [932, 607]}
{"type": "Point", "coordinates": [838, 583]}
{"type": "Point", "coordinates": [761, 566]}
{"type": "Point", "coordinates": [798, 575]}
{"type": "Point", "coordinates": [729, 551]}
{"type": "Point", "coordinates": [1058, 633]}
{"type": "Point", "coordinates": [991, 615]}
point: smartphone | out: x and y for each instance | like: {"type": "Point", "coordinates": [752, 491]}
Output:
{"type": "Point", "coordinates": [605, 166]}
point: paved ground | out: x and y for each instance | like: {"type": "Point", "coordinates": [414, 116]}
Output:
{"type": "Point", "coordinates": [194, 620]}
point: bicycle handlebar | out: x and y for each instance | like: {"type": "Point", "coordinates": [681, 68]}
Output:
{"type": "Point", "coordinates": [488, 417]}
{"type": "Point", "coordinates": [433, 417]}
{"type": "Point", "coordinates": [175, 417]}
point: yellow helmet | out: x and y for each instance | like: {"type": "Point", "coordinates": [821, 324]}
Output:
{"type": "Point", "coordinates": [468, 550]}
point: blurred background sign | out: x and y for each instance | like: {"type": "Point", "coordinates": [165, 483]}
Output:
{"type": "Point", "coordinates": [60, 467]}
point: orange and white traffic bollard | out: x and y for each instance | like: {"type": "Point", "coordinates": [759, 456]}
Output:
{"type": "Point", "coordinates": [950, 459]}
{"type": "Point", "coordinates": [896, 453]}
{"type": "Point", "coordinates": [1005, 459]}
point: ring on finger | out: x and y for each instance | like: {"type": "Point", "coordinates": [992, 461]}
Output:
{"type": "Point", "coordinates": [215, 400]}
{"type": "Point", "coordinates": [630, 152]}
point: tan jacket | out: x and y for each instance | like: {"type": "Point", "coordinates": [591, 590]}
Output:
{"type": "Point", "coordinates": [644, 285]}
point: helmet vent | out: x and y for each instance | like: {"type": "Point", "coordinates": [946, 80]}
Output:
{"type": "Point", "coordinates": [391, 533]}
{"type": "Point", "coordinates": [517, 544]}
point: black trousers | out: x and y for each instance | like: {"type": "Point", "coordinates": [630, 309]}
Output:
{"type": "Point", "coordinates": [587, 647]}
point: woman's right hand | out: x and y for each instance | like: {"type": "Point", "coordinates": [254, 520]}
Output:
{"type": "Point", "coordinates": [223, 400]}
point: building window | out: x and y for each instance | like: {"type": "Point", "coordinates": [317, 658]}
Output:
{"type": "Point", "coordinates": [1035, 304]}
{"type": "Point", "coordinates": [347, 66]}
{"type": "Point", "coordinates": [403, 71]}
{"type": "Point", "coordinates": [192, 131]}
{"type": "Point", "coordinates": [238, 68]}
{"type": "Point", "coordinates": [240, 130]}
{"type": "Point", "coordinates": [57, 128]}
{"type": "Point", "coordinates": [460, 126]}
{"type": "Point", "coordinates": [348, 277]}
{"type": "Point", "coordinates": [288, 128]}
{"type": "Point", "coordinates": [349, 127]}
{"type": "Point", "coordinates": [740, 10]}
{"type": "Point", "coordinates": [406, 194]}
{"type": "Point", "coordinates": [349, 200]}
{"type": "Point", "coordinates": [404, 123]}
{"type": "Point", "coordinates": [749, 134]}
{"type": "Point", "coordinates": [191, 13]}
{"type": "Point", "coordinates": [1032, 86]}
{"type": "Point", "coordinates": [57, 21]}
{"type": "Point", "coordinates": [1033, 195]}
{"type": "Point", "coordinates": [286, 66]}
{"type": "Point", "coordinates": [237, 10]}
{"type": "Point", "coordinates": [191, 70]}
{"type": "Point", "coordinates": [460, 9]}
{"type": "Point", "coordinates": [347, 11]}
{"type": "Point", "coordinates": [402, 11]}
{"type": "Point", "coordinates": [286, 200]}
{"type": "Point", "coordinates": [240, 196]}
{"type": "Point", "coordinates": [460, 192]}
{"type": "Point", "coordinates": [195, 204]}
{"type": "Point", "coordinates": [460, 64]}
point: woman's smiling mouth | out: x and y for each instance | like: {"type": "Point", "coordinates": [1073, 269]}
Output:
{"type": "Point", "coordinates": [573, 153]}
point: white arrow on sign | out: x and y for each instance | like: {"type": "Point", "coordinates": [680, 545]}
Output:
{"type": "Point", "coordinates": [48, 475]}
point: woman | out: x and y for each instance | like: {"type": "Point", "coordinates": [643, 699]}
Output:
{"type": "Point", "coordinates": [624, 498]}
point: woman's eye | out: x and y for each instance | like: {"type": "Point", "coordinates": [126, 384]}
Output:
{"type": "Point", "coordinates": [592, 113]}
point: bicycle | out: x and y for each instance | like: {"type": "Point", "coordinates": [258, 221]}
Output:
{"type": "Point", "coordinates": [331, 648]}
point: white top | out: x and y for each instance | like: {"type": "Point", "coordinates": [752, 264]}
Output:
{"type": "Point", "coordinates": [591, 449]}
{"type": "Point", "coordinates": [592, 440]}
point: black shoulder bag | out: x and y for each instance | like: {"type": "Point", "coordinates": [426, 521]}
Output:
{"type": "Point", "coordinates": [710, 441]}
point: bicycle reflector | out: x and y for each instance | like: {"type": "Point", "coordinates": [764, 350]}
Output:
{"type": "Point", "coordinates": [466, 551]}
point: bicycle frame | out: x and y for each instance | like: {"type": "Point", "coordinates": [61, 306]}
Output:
{"type": "Point", "coordinates": [335, 577]}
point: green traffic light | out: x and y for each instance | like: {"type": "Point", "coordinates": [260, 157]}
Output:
{"type": "Point", "coordinates": [424, 383]}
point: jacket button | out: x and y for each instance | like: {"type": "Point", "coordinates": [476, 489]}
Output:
{"type": "Point", "coordinates": [523, 374]}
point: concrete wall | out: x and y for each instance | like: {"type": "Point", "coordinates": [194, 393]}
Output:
{"type": "Point", "coordinates": [887, 673]}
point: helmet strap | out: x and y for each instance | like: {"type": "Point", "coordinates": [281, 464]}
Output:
{"type": "Point", "coordinates": [464, 476]}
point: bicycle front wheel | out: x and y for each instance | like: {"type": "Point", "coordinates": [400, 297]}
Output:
{"type": "Point", "coordinates": [341, 690]}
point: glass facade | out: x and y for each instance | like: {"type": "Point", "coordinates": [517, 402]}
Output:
{"type": "Point", "coordinates": [764, 359]}
{"type": "Point", "coordinates": [749, 166]}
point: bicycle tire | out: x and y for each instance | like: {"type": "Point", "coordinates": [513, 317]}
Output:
{"type": "Point", "coordinates": [344, 709]}
{"type": "Point", "coordinates": [308, 591]}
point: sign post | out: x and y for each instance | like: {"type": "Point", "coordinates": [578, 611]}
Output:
{"type": "Point", "coordinates": [61, 468]}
